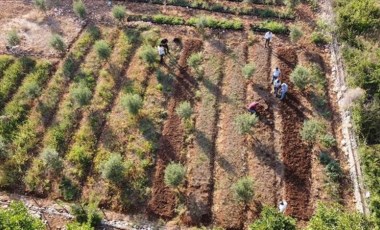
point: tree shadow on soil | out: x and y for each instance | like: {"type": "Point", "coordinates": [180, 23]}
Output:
{"type": "Point", "coordinates": [266, 154]}
{"type": "Point", "coordinates": [223, 163]}
{"type": "Point", "coordinates": [215, 90]}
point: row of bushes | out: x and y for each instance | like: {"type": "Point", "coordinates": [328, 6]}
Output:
{"type": "Point", "coordinates": [5, 61]}
{"type": "Point", "coordinates": [203, 21]}
{"type": "Point", "coordinates": [217, 7]}
{"type": "Point", "coordinates": [27, 137]}
{"type": "Point", "coordinates": [275, 27]}
{"type": "Point", "coordinates": [16, 111]}
{"type": "Point", "coordinates": [13, 76]}
{"type": "Point", "coordinates": [358, 28]}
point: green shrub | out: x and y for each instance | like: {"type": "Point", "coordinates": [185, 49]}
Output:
{"type": "Point", "coordinates": [195, 60]}
{"type": "Point", "coordinates": [69, 66]}
{"type": "Point", "coordinates": [244, 122]}
{"type": "Point", "coordinates": [211, 22]}
{"type": "Point", "coordinates": [311, 129]}
{"type": "Point", "coordinates": [357, 17]}
{"type": "Point", "coordinates": [243, 189]}
{"type": "Point", "coordinates": [334, 171]}
{"type": "Point", "coordinates": [149, 55]}
{"type": "Point", "coordinates": [79, 226]}
{"type": "Point", "coordinates": [333, 216]}
{"type": "Point", "coordinates": [275, 27]}
{"type": "Point", "coordinates": [291, 4]}
{"type": "Point", "coordinates": [184, 110]}
{"type": "Point", "coordinates": [103, 50]}
{"type": "Point", "coordinates": [295, 34]}
{"type": "Point", "coordinates": [31, 89]}
{"type": "Point", "coordinates": [300, 77]}
{"type": "Point", "coordinates": [68, 189]}
{"type": "Point", "coordinates": [327, 140]}
{"type": "Point", "coordinates": [3, 149]}
{"type": "Point", "coordinates": [165, 81]}
{"type": "Point", "coordinates": [57, 43]}
{"type": "Point", "coordinates": [40, 4]}
{"type": "Point", "coordinates": [17, 217]}
{"type": "Point", "coordinates": [94, 32]}
{"type": "Point", "coordinates": [248, 70]}
{"type": "Point", "coordinates": [319, 38]}
{"type": "Point", "coordinates": [174, 175]}
{"type": "Point", "coordinates": [119, 13]}
{"type": "Point", "coordinates": [12, 38]}
{"type": "Point", "coordinates": [5, 61]}
{"type": "Point", "coordinates": [52, 160]}
{"type": "Point", "coordinates": [87, 214]}
{"type": "Point", "coordinates": [133, 103]}
{"type": "Point", "coordinates": [171, 20]}
{"type": "Point", "coordinates": [81, 94]}
{"type": "Point", "coordinates": [114, 169]}
{"type": "Point", "coordinates": [324, 158]}
{"type": "Point", "coordinates": [150, 38]}
{"type": "Point", "coordinates": [79, 9]}
{"type": "Point", "coordinates": [271, 219]}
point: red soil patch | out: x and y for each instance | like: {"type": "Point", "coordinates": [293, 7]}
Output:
{"type": "Point", "coordinates": [163, 200]}
{"type": "Point", "coordinates": [296, 155]}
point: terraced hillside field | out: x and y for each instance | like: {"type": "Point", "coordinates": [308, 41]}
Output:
{"type": "Point", "coordinates": [87, 123]}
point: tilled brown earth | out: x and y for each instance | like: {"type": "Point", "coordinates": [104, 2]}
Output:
{"type": "Point", "coordinates": [163, 200]}
{"type": "Point", "coordinates": [201, 155]}
{"type": "Point", "coordinates": [264, 164]}
{"type": "Point", "coordinates": [230, 155]}
{"type": "Point", "coordinates": [296, 155]}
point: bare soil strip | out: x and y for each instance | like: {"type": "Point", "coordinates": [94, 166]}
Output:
{"type": "Point", "coordinates": [296, 155]}
{"type": "Point", "coordinates": [171, 142]}
{"type": "Point", "coordinates": [200, 159]}
{"type": "Point", "coordinates": [230, 155]}
{"type": "Point", "coordinates": [264, 164]}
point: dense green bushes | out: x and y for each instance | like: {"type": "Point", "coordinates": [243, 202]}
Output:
{"type": "Point", "coordinates": [358, 27]}
{"type": "Point", "coordinates": [118, 12]}
{"type": "Point", "coordinates": [244, 122]}
{"type": "Point", "coordinates": [207, 21]}
{"type": "Point", "coordinates": [12, 77]}
{"type": "Point", "coordinates": [17, 217]}
{"type": "Point", "coordinates": [357, 17]}
{"type": "Point", "coordinates": [271, 219]}
{"type": "Point", "coordinates": [243, 189]}
{"type": "Point", "coordinates": [174, 175]}
{"type": "Point", "coordinates": [79, 9]}
{"type": "Point", "coordinates": [332, 216]}
{"type": "Point", "coordinates": [275, 27]}
{"type": "Point", "coordinates": [5, 61]}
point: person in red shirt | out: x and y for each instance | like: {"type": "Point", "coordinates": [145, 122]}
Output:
{"type": "Point", "coordinates": [252, 107]}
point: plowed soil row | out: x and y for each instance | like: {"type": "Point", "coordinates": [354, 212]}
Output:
{"type": "Point", "coordinates": [296, 155]}
{"type": "Point", "coordinates": [200, 161]}
{"type": "Point", "coordinates": [230, 155]}
{"type": "Point", "coordinates": [171, 142]}
{"type": "Point", "coordinates": [263, 159]}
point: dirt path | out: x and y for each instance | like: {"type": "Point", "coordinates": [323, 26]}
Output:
{"type": "Point", "coordinates": [171, 142]}
{"type": "Point", "coordinates": [296, 155]}
{"type": "Point", "coordinates": [264, 163]}
{"type": "Point", "coordinates": [230, 155]}
{"type": "Point", "coordinates": [200, 159]}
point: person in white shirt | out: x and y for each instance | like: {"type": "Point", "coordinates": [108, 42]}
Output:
{"type": "Point", "coordinates": [161, 52]}
{"type": "Point", "coordinates": [268, 37]}
{"type": "Point", "coordinates": [282, 206]}
{"type": "Point", "coordinates": [276, 86]}
{"type": "Point", "coordinates": [276, 74]}
{"type": "Point", "coordinates": [284, 90]}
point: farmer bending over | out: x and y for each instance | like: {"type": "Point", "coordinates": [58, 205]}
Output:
{"type": "Point", "coordinates": [276, 86]}
{"type": "Point", "coordinates": [252, 107]}
{"type": "Point", "coordinates": [164, 43]}
{"type": "Point", "coordinates": [268, 37]}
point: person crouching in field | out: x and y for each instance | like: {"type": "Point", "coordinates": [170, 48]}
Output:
{"type": "Point", "coordinates": [252, 107]}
